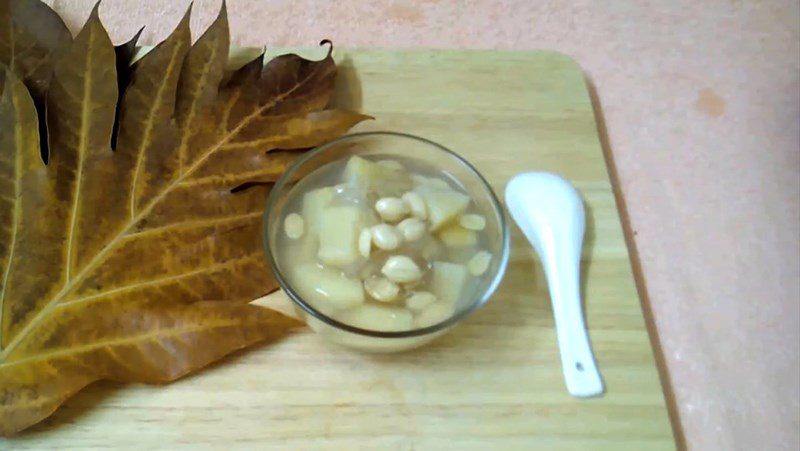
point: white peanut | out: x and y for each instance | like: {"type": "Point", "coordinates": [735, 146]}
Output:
{"type": "Point", "coordinates": [381, 289]}
{"type": "Point", "coordinates": [479, 263]}
{"type": "Point", "coordinates": [365, 243]}
{"type": "Point", "coordinates": [401, 269]}
{"type": "Point", "coordinates": [419, 300]}
{"type": "Point", "coordinates": [416, 205]}
{"type": "Point", "coordinates": [391, 209]}
{"type": "Point", "coordinates": [294, 226]}
{"type": "Point", "coordinates": [385, 237]}
{"type": "Point", "coordinates": [472, 222]}
{"type": "Point", "coordinates": [412, 229]}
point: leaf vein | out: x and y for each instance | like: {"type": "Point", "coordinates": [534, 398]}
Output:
{"type": "Point", "coordinates": [162, 280]}
{"type": "Point", "coordinates": [16, 216]}
{"type": "Point", "coordinates": [191, 225]}
{"type": "Point", "coordinates": [210, 324]}
{"type": "Point", "coordinates": [82, 144]}
{"type": "Point", "coordinates": [148, 131]}
{"type": "Point", "coordinates": [192, 110]}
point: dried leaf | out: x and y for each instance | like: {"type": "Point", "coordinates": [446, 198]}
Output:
{"type": "Point", "coordinates": [137, 265]}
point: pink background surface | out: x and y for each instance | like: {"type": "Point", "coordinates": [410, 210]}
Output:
{"type": "Point", "coordinates": [702, 109]}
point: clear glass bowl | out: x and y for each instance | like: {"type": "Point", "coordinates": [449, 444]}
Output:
{"type": "Point", "coordinates": [401, 146]}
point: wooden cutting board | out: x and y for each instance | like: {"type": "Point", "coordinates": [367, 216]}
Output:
{"type": "Point", "coordinates": [495, 381]}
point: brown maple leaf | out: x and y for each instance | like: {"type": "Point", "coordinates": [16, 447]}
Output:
{"type": "Point", "coordinates": [137, 265]}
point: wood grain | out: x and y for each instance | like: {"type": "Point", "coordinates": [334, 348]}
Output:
{"type": "Point", "coordinates": [492, 383]}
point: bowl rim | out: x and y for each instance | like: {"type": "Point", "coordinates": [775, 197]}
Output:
{"type": "Point", "coordinates": [308, 308]}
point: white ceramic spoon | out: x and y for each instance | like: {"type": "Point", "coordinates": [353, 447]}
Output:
{"type": "Point", "coordinates": [550, 213]}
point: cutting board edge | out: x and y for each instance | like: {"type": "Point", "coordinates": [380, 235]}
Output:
{"type": "Point", "coordinates": [636, 266]}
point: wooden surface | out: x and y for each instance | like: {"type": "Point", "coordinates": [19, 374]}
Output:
{"type": "Point", "coordinates": [495, 381]}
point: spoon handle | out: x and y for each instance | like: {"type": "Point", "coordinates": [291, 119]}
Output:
{"type": "Point", "coordinates": [577, 361]}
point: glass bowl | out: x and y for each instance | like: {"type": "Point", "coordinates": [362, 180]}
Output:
{"type": "Point", "coordinates": [386, 145]}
